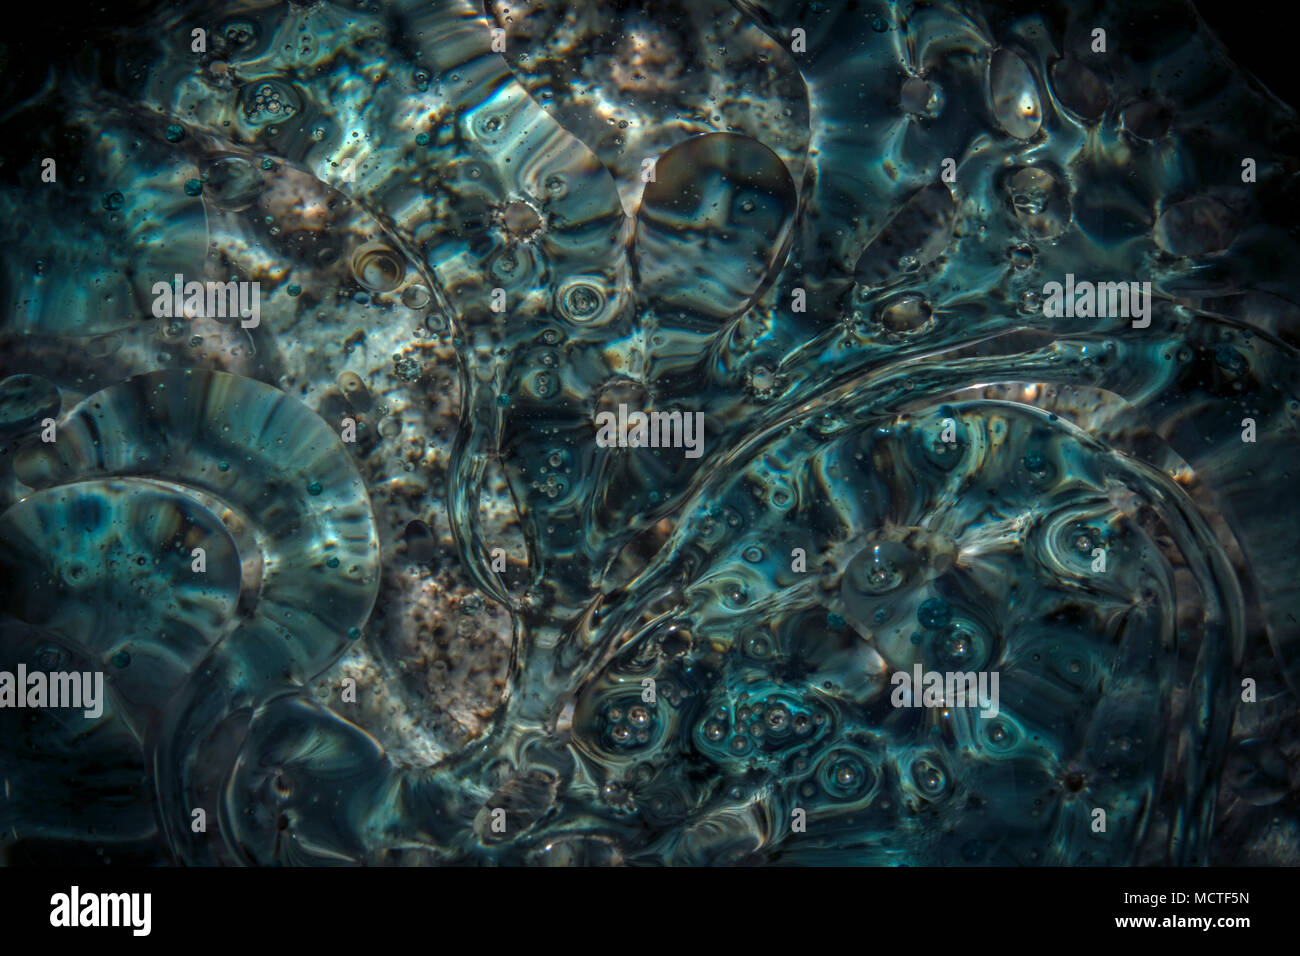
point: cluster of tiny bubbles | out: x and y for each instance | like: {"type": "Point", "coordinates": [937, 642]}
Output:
{"type": "Point", "coordinates": [269, 100]}
{"type": "Point", "coordinates": [628, 723]}
{"type": "Point", "coordinates": [239, 33]}
{"type": "Point", "coordinates": [762, 382]}
{"type": "Point", "coordinates": [406, 368]}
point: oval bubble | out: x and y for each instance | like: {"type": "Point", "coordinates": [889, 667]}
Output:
{"type": "Point", "coordinates": [1013, 94]}
{"type": "Point", "coordinates": [713, 224]}
{"type": "Point", "coordinates": [1079, 89]}
{"type": "Point", "coordinates": [1195, 227]}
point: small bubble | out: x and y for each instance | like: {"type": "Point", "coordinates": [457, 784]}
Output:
{"type": "Point", "coordinates": [934, 613]}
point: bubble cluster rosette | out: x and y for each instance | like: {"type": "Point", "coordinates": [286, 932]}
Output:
{"type": "Point", "coordinates": [836, 250]}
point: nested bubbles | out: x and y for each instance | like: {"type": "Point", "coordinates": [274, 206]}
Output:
{"type": "Point", "coordinates": [882, 567]}
{"type": "Point", "coordinates": [269, 100]}
{"type": "Point", "coordinates": [240, 38]}
{"type": "Point", "coordinates": [925, 777]}
{"type": "Point", "coordinates": [986, 504]}
{"type": "Point", "coordinates": [582, 299]}
{"type": "Point", "coordinates": [628, 723]}
{"type": "Point", "coordinates": [417, 297]}
{"type": "Point", "coordinates": [290, 498]}
{"type": "Point", "coordinates": [378, 266]}
{"type": "Point", "coordinates": [952, 625]}
{"type": "Point", "coordinates": [713, 226]}
{"type": "Point", "coordinates": [847, 775]}
{"type": "Point", "coordinates": [895, 318]}
{"type": "Point", "coordinates": [1039, 464]}
{"type": "Point", "coordinates": [781, 720]}
{"type": "Point", "coordinates": [962, 644]}
{"type": "Point", "coordinates": [1002, 735]}
{"type": "Point", "coordinates": [621, 717]}
{"type": "Point", "coordinates": [1039, 198]}
{"type": "Point", "coordinates": [904, 315]}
